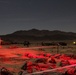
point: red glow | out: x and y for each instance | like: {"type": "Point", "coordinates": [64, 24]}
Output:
{"type": "Point", "coordinates": [51, 60]}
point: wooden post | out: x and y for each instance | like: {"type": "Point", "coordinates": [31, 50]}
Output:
{"type": "Point", "coordinates": [57, 48]}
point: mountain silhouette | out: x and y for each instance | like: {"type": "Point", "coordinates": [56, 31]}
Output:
{"type": "Point", "coordinates": [35, 34]}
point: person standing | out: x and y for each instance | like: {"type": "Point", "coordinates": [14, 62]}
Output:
{"type": "Point", "coordinates": [1, 42]}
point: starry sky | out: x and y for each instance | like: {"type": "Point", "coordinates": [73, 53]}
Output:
{"type": "Point", "coordinates": [40, 14]}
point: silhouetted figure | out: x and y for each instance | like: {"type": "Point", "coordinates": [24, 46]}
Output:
{"type": "Point", "coordinates": [1, 43]}
{"type": "Point", "coordinates": [26, 43]}
{"type": "Point", "coordinates": [42, 43]}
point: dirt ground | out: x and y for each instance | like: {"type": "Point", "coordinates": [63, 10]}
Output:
{"type": "Point", "coordinates": [12, 57]}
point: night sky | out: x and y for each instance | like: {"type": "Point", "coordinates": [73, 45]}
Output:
{"type": "Point", "coordinates": [40, 14]}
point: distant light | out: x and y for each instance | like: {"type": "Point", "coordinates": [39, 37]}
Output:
{"type": "Point", "coordinates": [74, 42]}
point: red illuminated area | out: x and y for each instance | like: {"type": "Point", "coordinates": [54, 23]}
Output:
{"type": "Point", "coordinates": [35, 61]}
{"type": "Point", "coordinates": [28, 61]}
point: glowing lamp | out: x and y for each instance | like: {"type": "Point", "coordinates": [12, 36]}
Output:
{"type": "Point", "coordinates": [74, 42]}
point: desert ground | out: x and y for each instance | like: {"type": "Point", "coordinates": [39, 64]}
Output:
{"type": "Point", "coordinates": [12, 57]}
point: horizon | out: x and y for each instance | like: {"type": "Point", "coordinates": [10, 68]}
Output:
{"type": "Point", "coordinates": [37, 29]}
